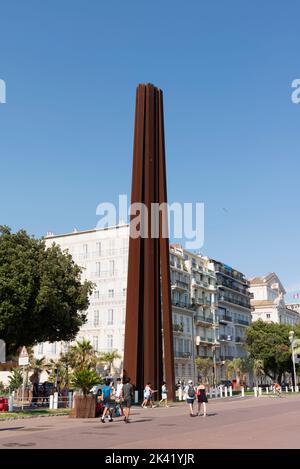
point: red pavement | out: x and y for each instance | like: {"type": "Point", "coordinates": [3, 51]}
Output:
{"type": "Point", "coordinates": [266, 422]}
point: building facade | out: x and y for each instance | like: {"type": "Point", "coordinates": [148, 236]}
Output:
{"type": "Point", "coordinates": [210, 301]}
{"type": "Point", "coordinates": [268, 302]}
{"type": "Point", "coordinates": [233, 313]}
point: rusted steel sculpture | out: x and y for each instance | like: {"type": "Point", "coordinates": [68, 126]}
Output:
{"type": "Point", "coordinates": [148, 349]}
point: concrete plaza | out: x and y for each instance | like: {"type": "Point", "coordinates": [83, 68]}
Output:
{"type": "Point", "coordinates": [264, 422]}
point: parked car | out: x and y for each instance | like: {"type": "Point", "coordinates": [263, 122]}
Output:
{"type": "Point", "coordinates": [225, 383]}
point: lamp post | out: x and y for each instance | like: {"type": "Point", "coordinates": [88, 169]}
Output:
{"type": "Point", "coordinates": [291, 338]}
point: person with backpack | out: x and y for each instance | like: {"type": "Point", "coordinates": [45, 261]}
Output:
{"type": "Point", "coordinates": [190, 396]}
{"type": "Point", "coordinates": [202, 398]}
{"type": "Point", "coordinates": [107, 392]}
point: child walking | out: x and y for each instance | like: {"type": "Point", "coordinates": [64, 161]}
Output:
{"type": "Point", "coordinates": [164, 394]}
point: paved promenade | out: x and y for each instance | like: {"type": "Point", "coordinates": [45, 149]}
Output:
{"type": "Point", "coordinates": [266, 422]}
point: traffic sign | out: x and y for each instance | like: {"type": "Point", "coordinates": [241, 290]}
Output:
{"type": "Point", "coordinates": [23, 357]}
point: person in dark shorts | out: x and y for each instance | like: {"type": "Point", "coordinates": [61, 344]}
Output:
{"type": "Point", "coordinates": [127, 395]}
{"type": "Point", "coordinates": [202, 399]}
{"type": "Point", "coordinates": [107, 392]}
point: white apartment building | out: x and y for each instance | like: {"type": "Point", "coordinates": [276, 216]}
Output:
{"type": "Point", "coordinates": [183, 316]}
{"type": "Point", "coordinates": [268, 301]}
{"type": "Point", "coordinates": [103, 256]}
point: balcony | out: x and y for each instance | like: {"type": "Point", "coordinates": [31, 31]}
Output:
{"type": "Point", "coordinates": [225, 318]}
{"type": "Point", "coordinates": [240, 340]}
{"type": "Point", "coordinates": [181, 304]}
{"type": "Point", "coordinates": [179, 285]}
{"type": "Point", "coordinates": [203, 319]}
{"type": "Point", "coordinates": [210, 340]}
{"type": "Point", "coordinates": [178, 354]}
{"type": "Point", "coordinates": [226, 357]}
{"type": "Point", "coordinates": [243, 322]}
{"type": "Point", "coordinates": [234, 301]}
{"type": "Point", "coordinates": [225, 337]}
{"type": "Point", "coordinates": [232, 274]}
{"type": "Point", "coordinates": [178, 328]}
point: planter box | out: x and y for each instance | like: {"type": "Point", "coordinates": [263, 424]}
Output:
{"type": "Point", "coordinates": [84, 407]}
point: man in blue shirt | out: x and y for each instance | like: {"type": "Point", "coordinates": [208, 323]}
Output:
{"type": "Point", "coordinates": [106, 397]}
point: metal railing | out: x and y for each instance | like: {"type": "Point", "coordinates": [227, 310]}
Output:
{"type": "Point", "coordinates": [202, 318]}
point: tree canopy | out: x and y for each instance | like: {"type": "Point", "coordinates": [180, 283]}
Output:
{"type": "Point", "coordinates": [42, 297]}
{"type": "Point", "coordinates": [269, 343]}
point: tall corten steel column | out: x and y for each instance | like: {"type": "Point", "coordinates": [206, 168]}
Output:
{"type": "Point", "coordinates": [148, 350]}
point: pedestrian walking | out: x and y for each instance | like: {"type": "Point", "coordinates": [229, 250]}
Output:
{"type": "Point", "coordinates": [202, 398]}
{"type": "Point", "coordinates": [190, 396]}
{"type": "Point", "coordinates": [107, 392]}
{"type": "Point", "coordinates": [164, 394]}
{"type": "Point", "coordinates": [148, 396]}
{"type": "Point", "coordinates": [127, 396]}
{"type": "Point", "coordinates": [118, 407]}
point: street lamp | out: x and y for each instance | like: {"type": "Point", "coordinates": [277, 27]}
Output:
{"type": "Point", "coordinates": [292, 341]}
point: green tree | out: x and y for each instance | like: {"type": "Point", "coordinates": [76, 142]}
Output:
{"type": "Point", "coordinates": [205, 368]}
{"type": "Point", "coordinates": [269, 343]}
{"type": "Point", "coordinates": [258, 369]}
{"type": "Point", "coordinates": [42, 297]}
{"type": "Point", "coordinates": [237, 367]}
{"type": "Point", "coordinates": [109, 358]}
{"type": "Point", "coordinates": [85, 380]}
{"type": "Point", "coordinates": [82, 355]}
{"type": "Point", "coordinates": [15, 379]}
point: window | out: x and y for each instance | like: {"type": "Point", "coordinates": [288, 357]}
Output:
{"type": "Point", "coordinates": [268, 315]}
{"type": "Point", "coordinates": [85, 251]}
{"type": "Point", "coordinates": [95, 343]}
{"type": "Point", "coordinates": [98, 249]}
{"type": "Point", "coordinates": [124, 291]}
{"type": "Point", "coordinates": [96, 318]}
{"type": "Point", "coordinates": [111, 267]}
{"type": "Point", "coordinates": [53, 348]}
{"type": "Point", "coordinates": [109, 342]}
{"type": "Point", "coordinates": [111, 293]}
{"type": "Point", "coordinates": [188, 328]}
{"type": "Point", "coordinates": [96, 294]}
{"type": "Point", "coordinates": [40, 348]}
{"type": "Point", "coordinates": [110, 317]}
{"type": "Point", "coordinates": [98, 269]}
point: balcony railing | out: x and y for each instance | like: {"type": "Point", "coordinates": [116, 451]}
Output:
{"type": "Point", "coordinates": [226, 357]}
{"type": "Point", "coordinates": [202, 318]}
{"type": "Point", "coordinates": [182, 354]}
{"type": "Point", "coordinates": [225, 318]}
{"type": "Point", "coordinates": [234, 301]}
{"type": "Point", "coordinates": [226, 337]}
{"type": "Point", "coordinates": [178, 328]}
{"type": "Point", "coordinates": [181, 304]}
{"type": "Point", "coordinates": [240, 340]}
{"type": "Point", "coordinates": [206, 339]}
{"type": "Point", "coordinates": [179, 284]}
{"type": "Point", "coordinates": [243, 322]}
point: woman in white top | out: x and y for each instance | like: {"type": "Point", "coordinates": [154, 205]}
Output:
{"type": "Point", "coordinates": [164, 394]}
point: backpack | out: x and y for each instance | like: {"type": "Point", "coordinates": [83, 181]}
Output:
{"type": "Point", "coordinates": [191, 391]}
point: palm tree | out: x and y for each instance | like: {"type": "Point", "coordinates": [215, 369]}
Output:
{"type": "Point", "coordinates": [85, 380]}
{"type": "Point", "coordinates": [205, 367]}
{"type": "Point", "coordinates": [82, 356]}
{"type": "Point", "coordinates": [109, 358]}
{"type": "Point", "coordinates": [236, 366]}
{"type": "Point", "coordinates": [37, 365]}
{"type": "Point", "coordinates": [258, 369]}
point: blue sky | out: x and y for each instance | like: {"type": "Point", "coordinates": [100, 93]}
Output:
{"type": "Point", "coordinates": [232, 132]}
